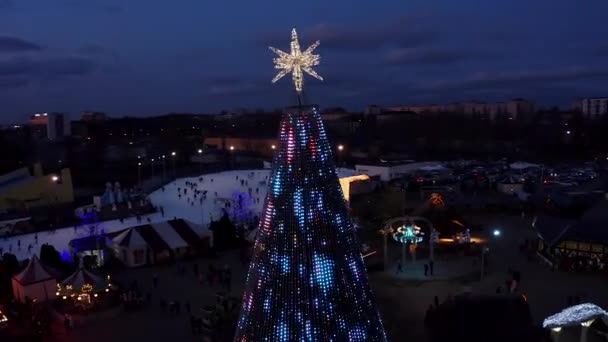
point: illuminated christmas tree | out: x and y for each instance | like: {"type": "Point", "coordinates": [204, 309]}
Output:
{"type": "Point", "coordinates": [307, 280]}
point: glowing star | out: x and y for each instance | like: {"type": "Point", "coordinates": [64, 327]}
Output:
{"type": "Point", "coordinates": [296, 62]}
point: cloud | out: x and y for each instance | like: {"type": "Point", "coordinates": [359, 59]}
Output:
{"type": "Point", "coordinates": [14, 44]}
{"type": "Point", "coordinates": [7, 4]}
{"type": "Point", "coordinates": [428, 56]}
{"type": "Point", "coordinates": [96, 5]}
{"type": "Point", "coordinates": [16, 82]}
{"type": "Point", "coordinates": [235, 85]}
{"type": "Point", "coordinates": [518, 79]}
{"type": "Point", "coordinates": [93, 50]}
{"type": "Point", "coordinates": [402, 31]}
{"type": "Point", "coordinates": [45, 68]}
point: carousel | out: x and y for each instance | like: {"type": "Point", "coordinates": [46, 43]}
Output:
{"type": "Point", "coordinates": [83, 287]}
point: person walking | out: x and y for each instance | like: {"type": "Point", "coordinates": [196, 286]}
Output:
{"type": "Point", "coordinates": [432, 267]}
{"type": "Point", "coordinates": [399, 268]}
{"type": "Point", "coordinates": [426, 270]}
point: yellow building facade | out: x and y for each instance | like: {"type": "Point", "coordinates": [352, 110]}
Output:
{"type": "Point", "coordinates": [22, 189]}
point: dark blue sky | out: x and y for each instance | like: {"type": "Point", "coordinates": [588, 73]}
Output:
{"type": "Point", "coordinates": [144, 57]}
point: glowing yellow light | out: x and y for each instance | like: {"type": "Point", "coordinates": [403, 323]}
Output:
{"type": "Point", "coordinates": [68, 287]}
{"type": "Point", "coordinates": [346, 181]}
{"type": "Point", "coordinates": [587, 324]}
{"type": "Point", "coordinates": [107, 290]}
{"type": "Point", "coordinates": [87, 288]}
{"type": "Point", "coordinates": [95, 295]}
{"type": "Point", "coordinates": [65, 297]}
{"type": "Point", "coordinates": [56, 293]}
{"type": "Point", "coordinates": [273, 147]}
{"type": "Point", "coordinates": [557, 329]}
{"type": "Point", "coordinates": [296, 62]}
{"type": "Point", "coordinates": [231, 148]}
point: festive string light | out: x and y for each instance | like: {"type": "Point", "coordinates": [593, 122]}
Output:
{"type": "Point", "coordinates": [296, 62]}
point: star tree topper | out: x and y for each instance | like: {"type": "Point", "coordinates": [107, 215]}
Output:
{"type": "Point", "coordinates": [296, 62]}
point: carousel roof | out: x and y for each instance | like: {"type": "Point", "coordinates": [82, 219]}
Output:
{"type": "Point", "coordinates": [575, 315]}
{"type": "Point", "coordinates": [81, 277]}
{"type": "Point", "coordinates": [34, 272]}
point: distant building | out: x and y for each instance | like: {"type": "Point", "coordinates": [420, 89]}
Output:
{"type": "Point", "coordinates": [515, 109]}
{"type": "Point", "coordinates": [21, 189]}
{"type": "Point", "coordinates": [388, 171]}
{"type": "Point", "coordinates": [53, 126]}
{"type": "Point", "coordinates": [92, 117]}
{"type": "Point", "coordinates": [593, 107]}
{"type": "Point", "coordinates": [261, 146]}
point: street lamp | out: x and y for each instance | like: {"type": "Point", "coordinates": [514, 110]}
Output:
{"type": "Point", "coordinates": [340, 149]}
{"type": "Point", "coordinates": [139, 174]}
{"type": "Point", "coordinates": [152, 166]}
{"type": "Point", "coordinates": [164, 168]}
{"type": "Point", "coordinates": [200, 160]}
{"type": "Point", "coordinates": [55, 178]}
{"type": "Point", "coordinates": [231, 148]}
{"type": "Point", "coordinates": [273, 147]}
{"type": "Point", "coordinates": [173, 154]}
{"type": "Point", "coordinates": [496, 233]}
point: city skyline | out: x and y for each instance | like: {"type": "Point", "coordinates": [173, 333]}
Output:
{"type": "Point", "coordinates": [152, 58]}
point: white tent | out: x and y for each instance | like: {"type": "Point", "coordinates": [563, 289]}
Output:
{"type": "Point", "coordinates": [131, 248]}
{"type": "Point", "coordinates": [171, 238]}
{"type": "Point", "coordinates": [35, 282]}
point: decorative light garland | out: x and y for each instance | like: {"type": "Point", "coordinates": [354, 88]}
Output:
{"type": "Point", "coordinates": [296, 62]}
{"type": "Point", "coordinates": [307, 279]}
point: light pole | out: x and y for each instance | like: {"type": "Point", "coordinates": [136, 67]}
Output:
{"type": "Point", "coordinates": [231, 148]}
{"type": "Point", "coordinates": [152, 166]}
{"type": "Point", "coordinates": [200, 160]}
{"type": "Point", "coordinates": [484, 250]}
{"type": "Point", "coordinates": [164, 169]}
{"type": "Point", "coordinates": [139, 174]}
{"type": "Point", "coordinates": [173, 154]}
{"type": "Point", "coordinates": [340, 149]}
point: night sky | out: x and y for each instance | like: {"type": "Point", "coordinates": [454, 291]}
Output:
{"type": "Point", "coordinates": [146, 57]}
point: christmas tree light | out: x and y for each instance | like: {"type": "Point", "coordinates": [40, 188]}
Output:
{"type": "Point", "coordinates": [307, 280]}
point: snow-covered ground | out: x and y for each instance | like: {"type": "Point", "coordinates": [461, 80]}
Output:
{"type": "Point", "coordinates": [227, 185]}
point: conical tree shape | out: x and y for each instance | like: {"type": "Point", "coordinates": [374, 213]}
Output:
{"type": "Point", "coordinates": [307, 280]}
